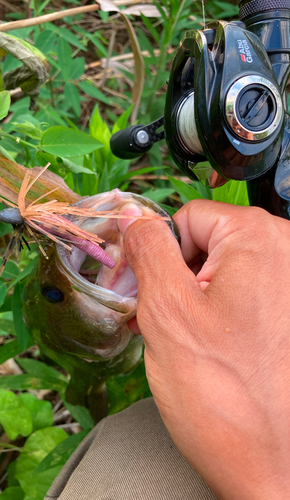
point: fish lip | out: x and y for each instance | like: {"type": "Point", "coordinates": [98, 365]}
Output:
{"type": "Point", "coordinates": [103, 353]}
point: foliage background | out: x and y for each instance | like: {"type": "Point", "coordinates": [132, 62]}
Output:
{"type": "Point", "coordinates": [89, 90]}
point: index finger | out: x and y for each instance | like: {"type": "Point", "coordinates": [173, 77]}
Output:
{"type": "Point", "coordinates": [203, 223]}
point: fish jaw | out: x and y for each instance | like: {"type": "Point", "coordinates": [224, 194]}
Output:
{"type": "Point", "coordinates": [90, 321]}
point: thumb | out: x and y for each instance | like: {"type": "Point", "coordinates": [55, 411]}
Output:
{"type": "Point", "coordinates": [165, 284]}
{"type": "Point", "coordinates": [150, 249]}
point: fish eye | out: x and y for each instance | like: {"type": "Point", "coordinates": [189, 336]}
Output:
{"type": "Point", "coordinates": [52, 294]}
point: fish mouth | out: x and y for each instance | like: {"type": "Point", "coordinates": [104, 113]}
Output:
{"type": "Point", "coordinates": [84, 273]}
{"type": "Point", "coordinates": [115, 288]}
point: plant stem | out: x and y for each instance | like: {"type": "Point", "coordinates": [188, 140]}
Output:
{"type": "Point", "coordinates": [14, 25]}
{"type": "Point", "coordinates": [17, 139]}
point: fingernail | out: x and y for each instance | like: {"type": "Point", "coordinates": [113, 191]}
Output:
{"type": "Point", "coordinates": [131, 210]}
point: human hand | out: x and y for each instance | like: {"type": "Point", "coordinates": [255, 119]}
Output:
{"type": "Point", "coordinates": [217, 345]}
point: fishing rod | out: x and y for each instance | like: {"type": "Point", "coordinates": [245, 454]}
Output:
{"type": "Point", "coordinates": [226, 104]}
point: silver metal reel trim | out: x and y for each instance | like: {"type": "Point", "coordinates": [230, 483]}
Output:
{"type": "Point", "coordinates": [230, 108]}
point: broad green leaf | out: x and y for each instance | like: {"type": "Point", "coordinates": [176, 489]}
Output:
{"type": "Point", "coordinates": [40, 411]}
{"type": "Point", "coordinates": [12, 493]}
{"type": "Point", "coordinates": [14, 416]}
{"type": "Point", "coordinates": [61, 453]}
{"type": "Point", "coordinates": [64, 55]}
{"type": "Point", "coordinates": [90, 89]}
{"type": "Point", "coordinates": [36, 447]}
{"type": "Point", "coordinates": [62, 141]}
{"type": "Point", "coordinates": [20, 328]}
{"type": "Point", "coordinates": [73, 98]}
{"type": "Point", "coordinates": [185, 191]}
{"type": "Point", "coordinates": [4, 103]}
{"type": "Point", "coordinates": [81, 415]}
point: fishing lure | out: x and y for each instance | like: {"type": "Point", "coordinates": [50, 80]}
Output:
{"type": "Point", "coordinates": [52, 219]}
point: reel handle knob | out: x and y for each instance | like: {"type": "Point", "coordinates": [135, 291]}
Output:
{"type": "Point", "coordinates": [130, 142]}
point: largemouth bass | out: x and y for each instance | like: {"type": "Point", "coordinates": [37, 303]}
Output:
{"type": "Point", "coordinates": [77, 309]}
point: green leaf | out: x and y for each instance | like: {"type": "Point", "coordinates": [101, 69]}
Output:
{"type": "Point", "coordinates": [7, 326]}
{"type": "Point", "coordinates": [46, 41]}
{"type": "Point", "coordinates": [90, 89]}
{"type": "Point", "coordinates": [11, 270]}
{"type": "Point", "coordinates": [151, 28]}
{"type": "Point", "coordinates": [104, 182]}
{"type": "Point", "coordinates": [158, 195]}
{"type": "Point", "coordinates": [100, 46]}
{"type": "Point", "coordinates": [40, 369]}
{"type": "Point", "coordinates": [73, 98]}
{"type": "Point", "coordinates": [10, 350]}
{"type": "Point", "coordinates": [12, 493]}
{"type": "Point", "coordinates": [234, 192]}
{"type": "Point", "coordinates": [20, 328]}
{"type": "Point", "coordinates": [9, 157]}
{"type": "Point", "coordinates": [26, 382]}
{"type": "Point", "coordinates": [122, 178]}
{"type": "Point", "coordinates": [63, 141]}
{"type": "Point", "coordinates": [124, 390]}
{"type": "Point", "coordinates": [71, 38]}
{"type": "Point", "coordinates": [26, 271]}
{"type": "Point", "coordinates": [169, 209]}
{"type": "Point", "coordinates": [78, 68]}
{"type": "Point", "coordinates": [74, 167]}
{"type": "Point", "coordinates": [185, 191]}
{"type": "Point", "coordinates": [3, 290]}
{"type": "Point", "coordinates": [14, 416]}
{"type": "Point", "coordinates": [40, 411]}
{"type": "Point", "coordinates": [4, 103]}
{"type": "Point", "coordinates": [36, 447]}
{"type": "Point", "coordinates": [61, 453]}
{"type": "Point", "coordinates": [121, 123]}
{"type": "Point", "coordinates": [64, 55]}
{"type": "Point", "coordinates": [81, 415]}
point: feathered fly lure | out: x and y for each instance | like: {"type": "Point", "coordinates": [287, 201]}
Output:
{"type": "Point", "coordinates": [50, 219]}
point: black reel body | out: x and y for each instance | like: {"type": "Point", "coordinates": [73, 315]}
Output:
{"type": "Point", "coordinates": [226, 105]}
{"type": "Point", "coordinates": [236, 106]}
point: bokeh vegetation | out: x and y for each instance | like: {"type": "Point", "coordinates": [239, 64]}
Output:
{"type": "Point", "coordinates": [98, 80]}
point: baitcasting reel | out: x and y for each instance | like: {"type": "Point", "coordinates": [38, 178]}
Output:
{"type": "Point", "coordinates": [226, 104]}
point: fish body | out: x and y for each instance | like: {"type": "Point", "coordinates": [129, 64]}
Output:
{"type": "Point", "coordinates": [77, 309]}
